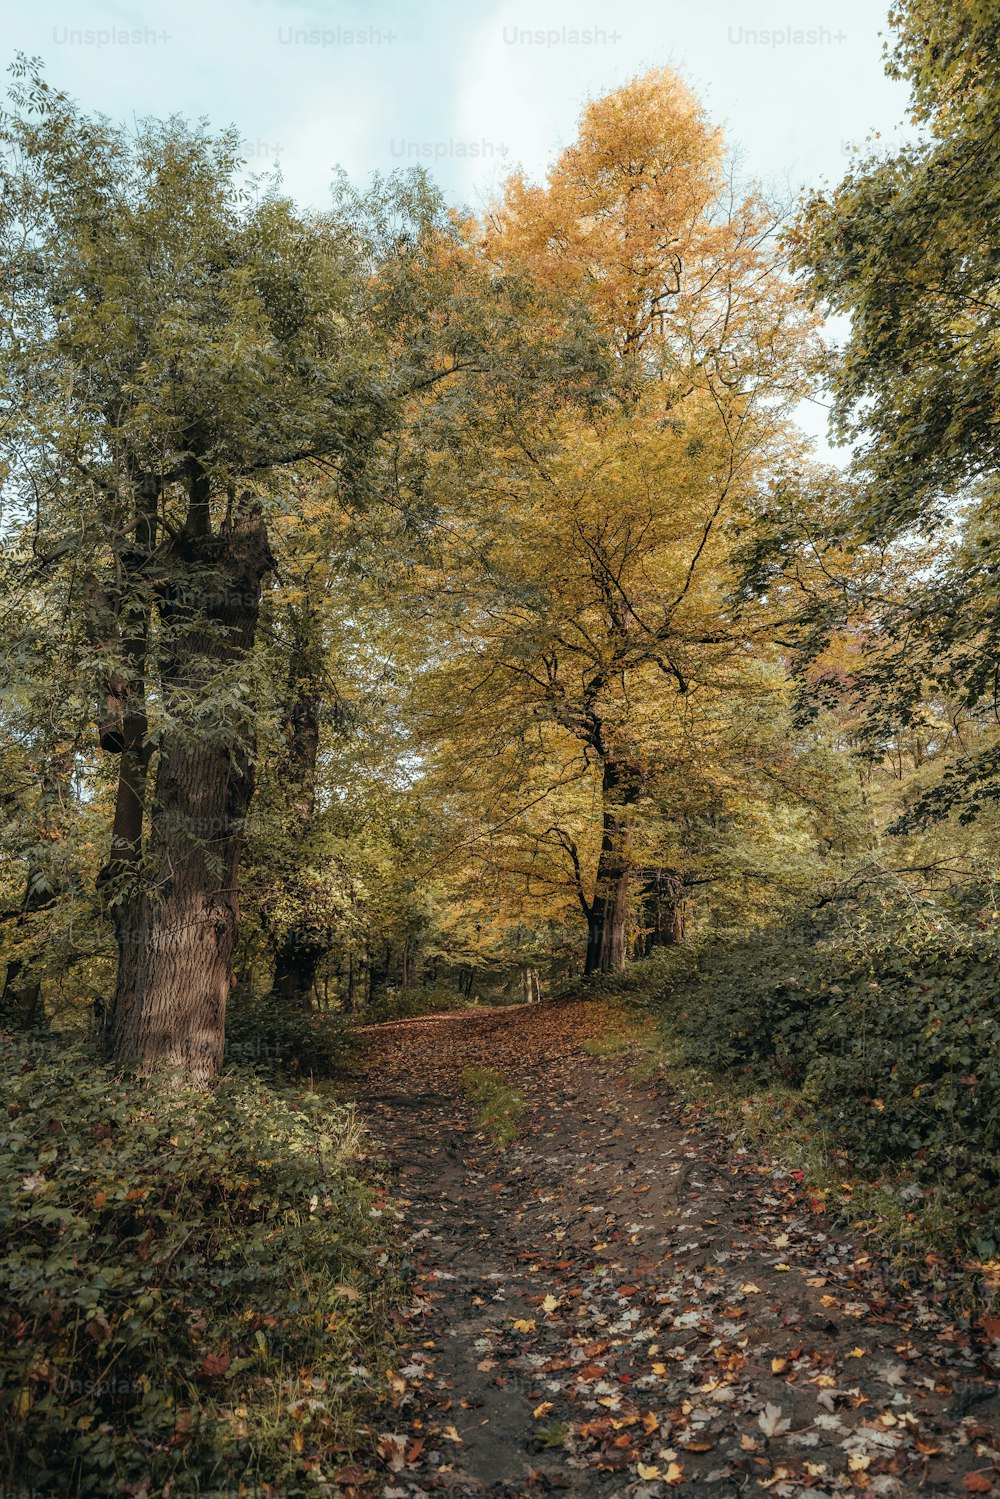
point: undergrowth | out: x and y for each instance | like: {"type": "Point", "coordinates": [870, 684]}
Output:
{"type": "Point", "coordinates": [284, 1040]}
{"type": "Point", "coordinates": [867, 1053]}
{"type": "Point", "coordinates": [411, 1001]}
{"type": "Point", "coordinates": [195, 1294]}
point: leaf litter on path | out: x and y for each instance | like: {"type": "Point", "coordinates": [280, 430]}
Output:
{"type": "Point", "coordinates": [624, 1302]}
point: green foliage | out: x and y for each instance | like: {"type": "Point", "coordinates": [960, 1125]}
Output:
{"type": "Point", "coordinates": [550, 1437]}
{"type": "Point", "coordinates": [287, 1040]}
{"type": "Point", "coordinates": [419, 999]}
{"type": "Point", "coordinates": [905, 249]}
{"type": "Point", "coordinates": [190, 1282]}
{"type": "Point", "coordinates": [888, 1029]}
{"type": "Point", "coordinates": [499, 1107]}
{"type": "Point", "coordinates": [642, 981]}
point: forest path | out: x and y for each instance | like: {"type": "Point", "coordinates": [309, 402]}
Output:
{"type": "Point", "coordinates": [624, 1302]}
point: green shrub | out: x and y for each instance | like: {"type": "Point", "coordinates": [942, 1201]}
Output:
{"type": "Point", "coordinates": [907, 1071]}
{"type": "Point", "coordinates": [413, 1000]}
{"type": "Point", "coordinates": [190, 1283]}
{"type": "Point", "coordinates": [750, 1003]}
{"type": "Point", "coordinates": [283, 1040]}
{"type": "Point", "coordinates": [641, 983]}
{"type": "Point", "coordinates": [888, 1029]}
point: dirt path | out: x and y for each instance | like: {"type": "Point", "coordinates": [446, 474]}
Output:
{"type": "Point", "coordinates": [624, 1303]}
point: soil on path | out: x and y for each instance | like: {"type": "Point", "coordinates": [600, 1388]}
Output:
{"type": "Point", "coordinates": [624, 1302]}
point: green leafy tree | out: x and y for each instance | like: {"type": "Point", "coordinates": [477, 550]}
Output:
{"type": "Point", "coordinates": [907, 246]}
{"type": "Point", "coordinates": [171, 347]}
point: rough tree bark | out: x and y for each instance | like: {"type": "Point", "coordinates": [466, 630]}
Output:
{"type": "Point", "coordinates": [607, 913]}
{"type": "Point", "coordinates": [176, 909]}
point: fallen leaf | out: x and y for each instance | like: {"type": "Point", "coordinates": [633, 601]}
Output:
{"type": "Point", "coordinates": [771, 1422]}
{"type": "Point", "coordinates": [392, 1449]}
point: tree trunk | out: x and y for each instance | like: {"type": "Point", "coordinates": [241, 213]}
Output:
{"type": "Point", "coordinates": [607, 915]}
{"type": "Point", "coordinates": [21, 1007]}
{"type": "Point", "coordinates": [295, 965]}
{"type": "Point", "coordinates": [175, 923]}
{"type": "Point", "coordinates": [663, 909]}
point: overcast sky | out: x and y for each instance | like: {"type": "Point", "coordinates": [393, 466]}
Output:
{"type": "Point", "coordinates": [471, 90]}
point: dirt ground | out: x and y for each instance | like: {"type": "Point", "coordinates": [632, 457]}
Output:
{"type": "Point", "coordinates": [625, 1302]}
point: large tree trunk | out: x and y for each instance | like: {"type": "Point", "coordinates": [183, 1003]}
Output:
{"type": "Point", "coordinates": [607, 916]}
{"type": "Point", "coordinates": [175, 921]}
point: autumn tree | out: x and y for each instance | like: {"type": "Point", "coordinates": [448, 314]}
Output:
{"type": "Point", "coordinates": [587, 568]}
